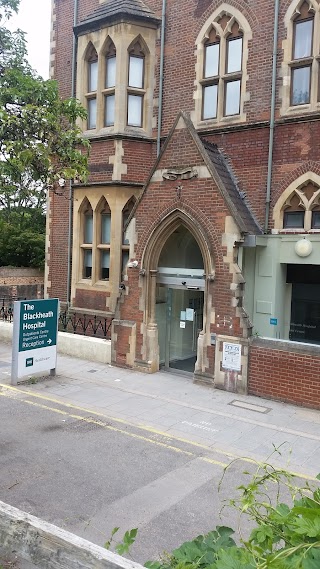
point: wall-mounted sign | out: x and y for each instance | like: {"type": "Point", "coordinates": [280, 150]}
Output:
{"type": "Point", "coordinates": [274, 321]}
{"type": "Point", "coordinates": [34, 345]}
{"type": "Point", "coordinates": [231, 356]}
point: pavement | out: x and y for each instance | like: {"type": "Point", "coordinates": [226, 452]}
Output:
{"type": "Point", "coordinates": [169, 409]}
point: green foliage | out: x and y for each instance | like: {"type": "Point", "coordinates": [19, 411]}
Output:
{"type": "Point", "coordinates": [285, 536]}
{"type": "Point", "coordinates": [40, 142]}
{"type": "Point", "coordinates": [21, 246]}
{"type": "Point", "coordinates": [127, 541]}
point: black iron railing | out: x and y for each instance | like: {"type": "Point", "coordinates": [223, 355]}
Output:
{"type": "Point", "coordinates": [85, 325]}
{"type": "Point", "coordinates": [6, 307]}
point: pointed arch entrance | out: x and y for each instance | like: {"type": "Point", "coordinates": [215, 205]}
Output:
{"type": "Point", "coordinates": [178, 260]}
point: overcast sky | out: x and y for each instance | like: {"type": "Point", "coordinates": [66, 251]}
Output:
{"type": "Point", "coordinates": [34, 18]}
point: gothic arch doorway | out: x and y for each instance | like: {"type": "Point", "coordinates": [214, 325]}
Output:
{"type": "Point", "coordinates": [180, 289]}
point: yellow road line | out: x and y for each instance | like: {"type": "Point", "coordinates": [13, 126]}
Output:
{"type": "Point", "coordinates": [117, 430]}
{"type": "Point", "coordinates": [141, 426]}
{"type": "Point", "coordinates": [146, 428]}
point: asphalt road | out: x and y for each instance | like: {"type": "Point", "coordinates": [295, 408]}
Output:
{"type": "Point", "coordinates": [87, 474]}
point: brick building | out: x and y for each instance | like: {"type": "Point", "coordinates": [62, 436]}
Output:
{"type": "Point", "coordinates": [198, 231]}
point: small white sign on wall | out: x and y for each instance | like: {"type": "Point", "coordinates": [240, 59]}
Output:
{"type": "Point", "coordinates": [231, 356]}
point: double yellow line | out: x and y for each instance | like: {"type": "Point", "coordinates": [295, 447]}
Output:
{"type": "Point", "coordinates": [9, 391]}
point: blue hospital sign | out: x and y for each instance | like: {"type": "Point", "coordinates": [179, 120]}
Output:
{"type": "Point", "coordinates": [35, 329]}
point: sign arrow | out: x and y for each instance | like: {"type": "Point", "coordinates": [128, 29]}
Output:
{"type": "Point", "coordinates": [49, 341]}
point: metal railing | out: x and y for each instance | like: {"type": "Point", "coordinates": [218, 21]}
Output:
{"type": "Point", "coordinates": [96, 326]}
{"type": "Point", "coordinates": [6, 307]}
{"type": "Point", "coordinates": [82, 324]}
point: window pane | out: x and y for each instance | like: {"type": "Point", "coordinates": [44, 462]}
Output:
{"type": "Point", "coordinates": [210, 102]}
{"type": "Point", "coordinates": [301, 85]}
{"type": "Point", "coordinates": [125, 259]}
{"type": "Point", "coordinates": [87, 264]}
{"type": "Point", "coordinates": [135, 110]}
{"type": "Point", "coordinates": [234, 57]}
{"type": "Point", "coordinates": [88, 228]}
{"type": "Point", "coordinates": [109, 110]}
{"type": "Point", "coordinates": [212, 60]}
{"type": "Point", "coordinates": [136, 72]}
{"type": "Point", "coordinates": [303, 39]}
{"type": "Point", "coordinates": [293, 219]}
{"type": "Point", "coordinates": [105, 227]}
{"type": "Point", "coordinates": [105, 264]}
{"type": "Point", "coordinates": [93, 76]}
{"type": "Point", "coordinates": [111, 72]}
{"type": "Point", "coordinates": [92, 113]}
{"type": "Point", "coordinates": [124, 221]}
{"type": "Point", "coordinates": [232, 98]}
{"type": "Point", "coordinates": [315, 224]}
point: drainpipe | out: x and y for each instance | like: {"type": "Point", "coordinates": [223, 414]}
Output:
{"type": "Point", "coordinates": [163, 27]}
{"type": "Point", "coordinates": [73, 94]}
{"type": "Point", "coordinates": [272, 111]}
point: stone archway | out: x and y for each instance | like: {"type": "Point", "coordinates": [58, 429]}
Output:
{"type": "Point", "coordinates": [178, 232]}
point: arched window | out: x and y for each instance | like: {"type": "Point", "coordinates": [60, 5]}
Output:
{"type": "Point", "coordinates": [104, 239]}
{"type": "Point", "coordinates": [302, 54]}
{"type": "Point", "coordinates": [222, 48]}
{"type": "Point", "coordinates": [92, 86]}
{"type": "Point", "coordinates": [135, 91]}
{"type": "Point", "coordinates": [110, 83]}
{"type": "Point", "coordinates": [87, 240]}
{"type": "Point", "coordinates": [298, 208]}
{"type": "Point", "coordinates": [125, 242]}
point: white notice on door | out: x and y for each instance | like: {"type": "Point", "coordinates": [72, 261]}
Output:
{"type": "Point", "coordinates": [190, 314]}
{"type": "Point", "coordinates": [231, 356]}
{"type": "Point", "coordinates": [182, 324]}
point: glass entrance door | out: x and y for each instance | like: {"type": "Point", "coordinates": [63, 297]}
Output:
{"type": "Point", "coordinates": [179, 314]}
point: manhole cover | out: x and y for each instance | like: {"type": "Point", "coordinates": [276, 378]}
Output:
{"type": "Point", "coordinates": [250, 406]}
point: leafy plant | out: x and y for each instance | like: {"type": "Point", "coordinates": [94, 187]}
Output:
{"type": "Point", "coordinates": [285, 536]}
{"type": "Point", "coordinates": [40, 144]}
{"type": "Point", "coordinates": [127, 541]}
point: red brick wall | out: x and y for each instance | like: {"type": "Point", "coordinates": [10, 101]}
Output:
{"type": "Point", "coordinates": [289, 374]}
{"type": "Point", "coordinates": [88, 299]}
{"type": "Point", "coordinates": [58, 249]}
{"type": "Point", "coordinates": [296, 150]}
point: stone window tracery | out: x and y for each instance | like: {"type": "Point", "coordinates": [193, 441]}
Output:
{"type": "Point", "coordinates": [298, 209]}
{"type": "Point", "coordinates": [222, 52]}
{"type": "Point", "coordinates": [92, 86]}
{"type": "Point", "coordinates": [115, 79]}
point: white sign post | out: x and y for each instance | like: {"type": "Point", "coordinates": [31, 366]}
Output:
{"type": "Point", "coordinates": [34, 343]}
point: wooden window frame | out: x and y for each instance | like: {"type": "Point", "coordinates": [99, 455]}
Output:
{"type": "Point", "coordinates": [226, 81]}
{"type": "Point", "coordinates": [296, 22]}
{"type": "Point", "coordinates": [211, 77]}
{"type": "Point", "coordinates": [287, 213]}
{"type": "Point", "coordinates": [293, 68]}
{"type": "Point", "coordinates": [136, 91]}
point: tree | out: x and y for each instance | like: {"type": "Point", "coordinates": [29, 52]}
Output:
{"type": "Point", "coordinates": [40, 141]}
